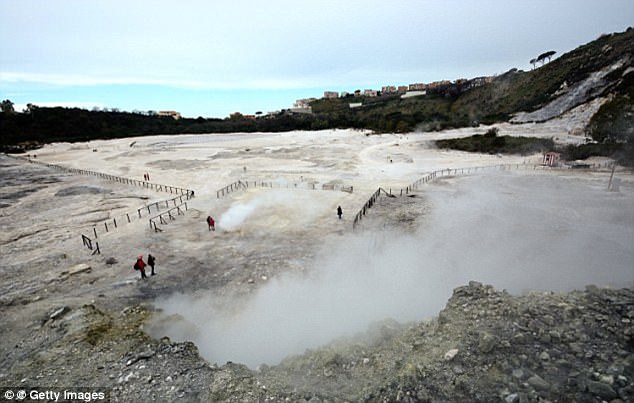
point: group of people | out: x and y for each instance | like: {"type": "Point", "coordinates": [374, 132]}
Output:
{"type": "Point", "coordinates": [151, 260]}
{"type": "Point", "coordinates": [140, 265]}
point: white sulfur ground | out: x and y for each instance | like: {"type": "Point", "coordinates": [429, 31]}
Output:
{"type": "Point", "coordinates": [208, 162]}
{"type": "Point", "coordinates": [548, 232]}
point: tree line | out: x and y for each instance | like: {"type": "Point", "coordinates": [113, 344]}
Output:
{"type": "Point", "coordinates": [46, 125]}
{"type": "Point", "coordinates": [39, 125]}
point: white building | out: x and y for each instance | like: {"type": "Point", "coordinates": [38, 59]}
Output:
{"type": "Point", "coordinates": [304, 103]}
{"type": "Point", "coordinates": [172, 114]}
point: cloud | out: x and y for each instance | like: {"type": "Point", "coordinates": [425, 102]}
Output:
{"type": "Point", "coordinates": [84, 80]}
{"type": "Point", "coordinates": [90, 80]}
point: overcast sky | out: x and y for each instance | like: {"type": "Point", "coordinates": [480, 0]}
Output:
{"type": "Point", "coordinates": [210, 58]}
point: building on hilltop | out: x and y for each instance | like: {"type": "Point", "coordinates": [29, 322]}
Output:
{"type": "Point", "coordinates": [304, 103]}
{"type": "Point", "coordinates": [417, 87]}
{"type": "Point", "coordinates": [438, 85]}
{"type": "Point", "coordinates": [450, 88]}
{"type": "Point", "coordinates": [240, 116]}
{"type": "Point", "coordinates": [171, 114]}
{"type": "Point", "coordinates": [388, 89]}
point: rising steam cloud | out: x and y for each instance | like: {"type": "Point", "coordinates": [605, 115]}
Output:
{"type": "Point", "coordinates": [275, 208]}
{"type": "Point", "coordinates": [516, 232]}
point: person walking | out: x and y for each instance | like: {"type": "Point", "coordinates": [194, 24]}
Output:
{"type": "Point", "coordinates": [140, 266]}
{"type": "Point", "coordinates": [151, 262]}
{"type": "Point", "coordinates": [339, 212]}
{"type": "Point", "coordinates": [211, 223]}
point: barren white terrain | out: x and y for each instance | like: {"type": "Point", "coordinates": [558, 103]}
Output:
{"type": "Point", "coordinates": [282, 273]}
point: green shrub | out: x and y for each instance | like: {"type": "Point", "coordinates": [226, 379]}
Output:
{"type": "Point", "coordinates": [490, 143]}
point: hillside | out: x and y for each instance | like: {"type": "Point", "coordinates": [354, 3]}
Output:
{"type": "Point", "coordinates": [518, 91]}
{"type": "Point", "coordinates": [508, 94]}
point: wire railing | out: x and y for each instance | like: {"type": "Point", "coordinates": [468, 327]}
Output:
{"type": "Point", "coordinates": [179, 207]}
{"type": "Point", "coordinates": [119, 179]}
{"type": "Point", "coordinates": [110, 224]}
{"type": "Point", "coordinates": [468, 171]}
{"type": "Point", "coordinates": [163, 217]}
{"type": "Point", "coordinates": [245, 184]}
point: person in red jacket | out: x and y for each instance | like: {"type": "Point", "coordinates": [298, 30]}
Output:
{"type": "Point", "coordinates": [211, 223]}
{"type": "Point", "coordinates": [140, 265]}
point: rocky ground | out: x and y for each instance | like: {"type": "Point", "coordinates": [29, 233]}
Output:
{"type": "Point", "coordinates": [486, 345]}
{"type": "Point", "coordinates": [89, 329]}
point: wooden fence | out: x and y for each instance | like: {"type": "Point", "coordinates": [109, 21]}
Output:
{"type": "Point", "coordinates": [126, 181]}
{"type": "Point", "coordinates": [368, 205]}
{"type": "Point", "coordinates": [179, 209]}
{"type": "Point", "coordinates": [468, 171]}
{"type": "Point", "coordinates": [89, 244]}
{"type": "Point", "coordinates": [232, 187]}
{"type": "Point", "coordinates": [110, 224]}
{"type": "Point", "coordinates": [167, 215]}
{"type": "Point", "coordinates": [158, 204]}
